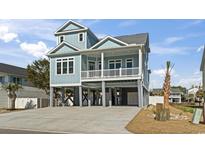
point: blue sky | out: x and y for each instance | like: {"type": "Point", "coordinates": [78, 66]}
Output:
{"type": "Point", "coordinates": [180, 41]}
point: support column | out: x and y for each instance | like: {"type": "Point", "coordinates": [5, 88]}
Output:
{"type": "Point", "coordinates": [63, 95]}
{"type": "Point", "coordinates": [103, 94]}
{"type": "Point", "coordinates": [140, 94]}
{"type": "Point", "coordinates": [110, 97]}
{"type": "Point", "coordinates": [80, 96]}
{"type": "Point", "coordinates": [102, 64]}
{"type": "Point", "coordinates": [89, 97]}
{"type": "Point", "coordinates": [140, 62]}
{"type": "Point", "coordinates": [51, 97]}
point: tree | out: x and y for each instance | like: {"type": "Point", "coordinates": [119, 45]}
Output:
{"type": "Point", "coordinates": [167, 82]}
{"type": "Point", "coordinates": [199, 95]}
{"type": "Point", "coordinates": [38, 74]}
{"type": "Point", "coordinates": [11, 89]}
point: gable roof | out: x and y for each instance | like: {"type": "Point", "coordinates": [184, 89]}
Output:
{"type": "Point", "coordinates": [15, 70]}
{"type": "Point", "coordinates": [61, 45]}
{"type": "Point", "coordinates": [109, 38]}
{"type": "Point", "coordinates": [66, 24]}
{"type": "Point", "coordinates": [141, 38]}
{"type": "Point", "coordinates": [203, 61]}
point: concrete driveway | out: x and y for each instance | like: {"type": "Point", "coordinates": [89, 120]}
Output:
{"type": "Point", "coordinates": [70, 119]}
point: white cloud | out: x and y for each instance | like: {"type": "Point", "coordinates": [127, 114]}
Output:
{"type": "Point", "coordinates": [161, 72]}
{"type": "Point", "coordinates": [38, 50]}
{"type": "Point", "coordinates": [171, 40]}
{"type": "Point", "coordinates": [200, 48]}
{"type": "Point", "coordinates": [100, 35]}
{"type": "Point", "coordinates": [5, 35]}
{"type": "Point", "coordinates": [191, 24]}
{"type": "Point", "coordinates": [189, 81]}
{"type": "Point", "coordinates": [128, 23]}
{"type": "Point", "coordinates": [157, 49]}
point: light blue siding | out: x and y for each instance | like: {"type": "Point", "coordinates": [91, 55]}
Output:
{"type": "Point", "coordinates": [72, 27]}
{"type": "Point", "coordinates": [64, 49]}
{"type": "Point", "coordinates": [65, 79]}
{"type": "Point", "coordinates": [108, 44]}
{"type": "Point", "coordinates": [73, 39]}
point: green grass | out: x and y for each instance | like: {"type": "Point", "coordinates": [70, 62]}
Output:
{"type": "Point", "coordinates": [184, 107]}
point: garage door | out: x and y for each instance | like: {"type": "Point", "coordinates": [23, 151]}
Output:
{"type": "Point", "coordinates": [132, 98]}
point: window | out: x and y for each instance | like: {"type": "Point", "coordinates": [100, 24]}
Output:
{"type": "Point", "coordinates": [59, 66]}
{"type": "Point", "coordinates": [65, 66]}
{"type": "Point", "coordinates": [91, 65]}
{"type": "Point", "coordinates": [99, 65]}
{"type": "Point", "coordinates": [81, 37]}
{"type": "Point", "coordinates": [115, 64]}
{"type": "Point", "coordinates": [71, 65]}
{"type": "Point", "coordinates": [1, 79]}
{"type": "Point", "coordinates": [129, 63]}
{"type": "Point", "coordinates": [61, 39]}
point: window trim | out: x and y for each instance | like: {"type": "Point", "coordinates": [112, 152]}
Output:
{"type": "Point", "coordinates": [59, 39]}
{"type": "Point", "coordinates": [61, 61]}
{"type": "Point", "coordinates": [127, 62]}
{"type": "Point", "coordinates": [79, 37]}
{"type": "Point", "coordinates": [114, 63]}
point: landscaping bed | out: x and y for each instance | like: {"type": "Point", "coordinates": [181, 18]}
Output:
{"type": "Point", "coordinates": [180, 123]}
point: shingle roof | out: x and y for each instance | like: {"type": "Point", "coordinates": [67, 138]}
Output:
{"type": "Point", "coordinates": [141, 38]}
{"type": "Point", "coordinates": [10, 69]}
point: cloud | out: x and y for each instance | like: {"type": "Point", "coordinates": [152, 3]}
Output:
{"type": "Point", "coordinates": [5, 35]}
{"type": "Point", "coordinates": [191, 24]}
{"type": "Point", "coordinates": [171, 40]}
{"type": "Point", "coordinates": [100, 35]}
{"type": "Point", "coordinates": [88, 22]}
{"type": "Point", "coordinates": [201, 48]}
{"type": "Point", "coordinates": [161, 72]}
{"type": "Point", "coordinates": [128, 23]}
{"type": "Point", "coordinates": [38, 50]}
{"type": "Point", "coordinates": [157, 49]}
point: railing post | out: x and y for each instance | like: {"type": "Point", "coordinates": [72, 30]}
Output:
{"type": "Point", "coordinates": [140, 62]}
{"type": "Point", "coordinates": [120, 71]}
{"type": "Point", "coordinates": [102, 64]}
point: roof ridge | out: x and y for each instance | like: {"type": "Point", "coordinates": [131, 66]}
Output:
{"type": "Point", "coordinates": [12, 65]}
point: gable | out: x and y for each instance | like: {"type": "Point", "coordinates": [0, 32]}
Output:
{"type": "Point", "coordinates": [62, 49]}
{"type": "Point", "coordinates": [108, 43]}
{"type": "Point", "coordinates": [69, 26]}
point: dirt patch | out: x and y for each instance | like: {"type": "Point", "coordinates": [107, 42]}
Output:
{"type": "Point", "coordinates": [180, 123]}
{"type": "Point", "coordinates": [7, 110]}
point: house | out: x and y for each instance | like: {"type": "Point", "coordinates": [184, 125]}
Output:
{"type": "Point", "coordinates": [100, 72]}
{"type": "Point", "coordinates": [175, 95]}
{"type": "Point", "coordinates": [18, 75]}
{"type": "Point", "coordinates": [202, 69]}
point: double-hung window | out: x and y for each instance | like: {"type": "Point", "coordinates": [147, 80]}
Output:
{"type": "Point", "coordinates": [115, 64]}
{"type": "Point", "coordinates": [129, 63]}
{"type": "Point", "coordinates": [81, 37]}
{"type": "Point", "coordinates": [65, 66]}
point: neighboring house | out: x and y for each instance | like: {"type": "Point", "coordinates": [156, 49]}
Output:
{"type": "Point", "coordinates": [202, 69]}
{"type": "Point", "coordinates": [175, 95]}
{"type": "Point", "coordinates": [192, 92]}
{"type": "Point", "coordinates": [18, 75]}
{"type": "Point", "coordinates": [105, 72]}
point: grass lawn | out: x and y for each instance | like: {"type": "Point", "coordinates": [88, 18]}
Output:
{"type": "Point", "coordinates": [144, 122]}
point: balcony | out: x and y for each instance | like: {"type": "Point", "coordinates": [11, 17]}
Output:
{"type": "Point", "coordinates": [110, 73]}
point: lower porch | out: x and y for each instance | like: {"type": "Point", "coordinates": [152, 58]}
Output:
{"type": "Point", "coordinates": [102, 93]}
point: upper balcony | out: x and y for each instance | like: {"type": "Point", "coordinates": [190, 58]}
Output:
{"type": "Point", "coordinates": [113, 74]}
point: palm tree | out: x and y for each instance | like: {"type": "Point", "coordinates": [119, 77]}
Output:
{"type": "Point", "coordinates": [11, 89]}
{"type": "Point", "coordinates": [166, 85]}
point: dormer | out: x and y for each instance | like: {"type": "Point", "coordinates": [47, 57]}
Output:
{"type": "Point", "coordinates": [75, 34]}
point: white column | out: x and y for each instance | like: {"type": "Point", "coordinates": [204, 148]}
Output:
{"type": "Point", "coordinates": [140, 61]}
{"type": "Point", "coordinates": [103, 94]}
{"type": "Point", "coordinates": [110, 97]}
{"type": "Point", "coordinates": [102, 63]}
{"type": "Point", "coordinates": [51, 96]}
{"type": "Point", "coordinates": [89, 97]}
{"type": "Point", "coordinates": [140, 94]}
{"type": "Point", "coordinates": [80, 96]}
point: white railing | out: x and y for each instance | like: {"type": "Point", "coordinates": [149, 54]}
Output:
{"type": "Point", "coordinates": [110, 73]}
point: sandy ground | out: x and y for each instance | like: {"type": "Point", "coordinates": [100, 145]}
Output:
{"type": "Point", "coordinates": [144, 123]}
